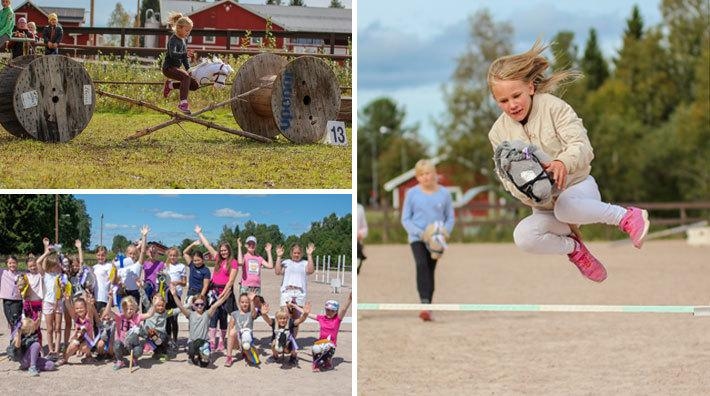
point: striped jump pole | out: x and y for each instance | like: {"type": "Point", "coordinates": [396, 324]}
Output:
{"type": "Point", "coordinates": [657, 309]}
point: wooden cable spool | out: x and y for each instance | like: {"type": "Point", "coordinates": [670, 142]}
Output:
{"type": "Point", "coordinates": [254, 114]}
{"type": "Point", "coordinates": [297, 98]}
{"type": "Point", "coordinates": [48, 98]}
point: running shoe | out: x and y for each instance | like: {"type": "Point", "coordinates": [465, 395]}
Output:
{"type": "Point", "coordinates": [166, 88]}
{"type": "Point", "coordinates": [425, 316]}
{"type": "Point", "coordinates": [587, 264]}
{"type": "Point", "coordinates": [229, 361]}
{"type": "Point", "coordinates": [184, 108]}
{"type": "Point", "coordinates": [635, 223]}
{"type": "Point", "coordinates": [33, 371]}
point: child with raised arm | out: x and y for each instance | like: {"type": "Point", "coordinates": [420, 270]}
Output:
{"type": "Point", "coordinates": [52, 303]}
{"type": "Point", "coordinates": [251, 264]}
{"type": "Point", "coordinates": [324, 349]}
{"type": "Point", "coordinates": [177, 277]}
{"type": "Point", "coordinates": [295, 273]}
{"type": "Point", "coordinates": [81, 277]}
{"type": "Point", "coordinates": [154, 326]}
{"type": "Point", "coordinates": [283, 332]}
{"type": "Point", "coordinates": [130, 267]}
{"type": "Point", "coordinates": [198, 348]}
{"type": "Point", "coordinates": [225, 272]}
{"type": "Point", "coordinates": [26, 341]}
{"type": "Point", "coordinates": [178, 55]}
{"type": "Point", "coordinates": [128, 328]}
{"type": "Point", "coordinates": [532, 115]}
{"type": "Point", "coordinates": [83, 315]}
{"type": "Point", "coordinates": [200, 275]}
{"type": "Point", "coordinates": [241, 327]}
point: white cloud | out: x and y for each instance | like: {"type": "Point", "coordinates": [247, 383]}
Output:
{"type": "Point", "coordinates": [167, 214]}
{"type": "Point", "coordinates": [228, 212]}
{"type": "Point", "coordinates": [112, 226]}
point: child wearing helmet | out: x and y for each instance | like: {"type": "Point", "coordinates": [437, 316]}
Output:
{"type": "Point", "coordinates": [324, 349]}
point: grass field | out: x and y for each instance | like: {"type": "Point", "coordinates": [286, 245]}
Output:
{"type": "Point", "coordinates": [180, 156]}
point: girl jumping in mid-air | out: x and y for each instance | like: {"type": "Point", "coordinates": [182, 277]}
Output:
{"type": "Point", "coordinates": [178, 55]}
{"type": "Point", "coordinates": [532, 115]}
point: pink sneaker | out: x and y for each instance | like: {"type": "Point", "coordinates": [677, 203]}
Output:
{"type": "Point", "coordinates": [587, 264]}
{"type": "Point", "coordinates": [166, 88]}
{"type": "Point", "coordinates": [185, 108]}
{"type": "Point", "coordinates": [635, 223]}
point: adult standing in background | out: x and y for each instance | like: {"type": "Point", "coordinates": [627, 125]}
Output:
{"type": "Point", "coordinates": [361, 235]}
{"type": "Point", "coordinates": [426, 205]}
{"type": "Point", "coordinates": [52, 35]}
{"type": "Point", "coordinates": [7, 23]}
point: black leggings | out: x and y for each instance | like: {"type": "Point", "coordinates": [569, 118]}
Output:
{"type": "Point", "coordinates": [425, 271]}
{"type": "Point", "coordinates": [13, 311]}
{"type": "Point", "coordinates": [171, 325]}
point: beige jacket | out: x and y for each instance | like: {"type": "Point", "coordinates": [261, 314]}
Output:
{"type": "Point", "coordinates": [554, 127]}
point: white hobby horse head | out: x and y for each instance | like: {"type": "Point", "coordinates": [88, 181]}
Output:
{"type": "Point", "coordinates": [211, 71]}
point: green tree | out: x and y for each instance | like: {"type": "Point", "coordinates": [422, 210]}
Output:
{"type": "Point", "coordinates": [273, 2]}
{"type": "Point", "coordinates": [593, 64]}
{"type": "Point", "coordinates": [119, 18]}
{"type": "Point", "coordinates": [335, 4]}
{"type": "Point", "coordinates": [26, 219]}
{"type": "Point", "coordinates": [471, 110]}
{"type": "Point", "coordinates": [119, 244]}
{"type": "Point", "coordinates": [687, 22]}
{"type": "Point", "coordinates": [634, 25]}
{"type": "Point", "coordinates": [298, 3]}
{"type": "Point", "coordinates": [385, 147]}
{"type": "Point", "coordinates": [564, 51]}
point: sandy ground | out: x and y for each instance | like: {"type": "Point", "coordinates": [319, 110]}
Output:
{"type": "Point", "coordinates": [537, 353]}
{"type": "Point", "coordinates": [177, 377]}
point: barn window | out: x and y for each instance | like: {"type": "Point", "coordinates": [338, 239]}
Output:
{"type": "Point", "coordinates": [255, 41]}
{"type": "Point", "coordinates": [208, 39]}
{"type": "Point", "coordinates": [234, 40]}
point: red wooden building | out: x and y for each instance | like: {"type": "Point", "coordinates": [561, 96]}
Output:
{"type": "Point", "coordinates": [464, 197]}
{"type": "Point", "coordinates": [67, 17]}
{"type": "Point", "coordinates": [228, 14]}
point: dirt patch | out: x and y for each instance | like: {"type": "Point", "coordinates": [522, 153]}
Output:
{"type": "Point", "coordinates": [537, 353]}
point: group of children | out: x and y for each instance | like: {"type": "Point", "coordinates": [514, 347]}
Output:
{"type": "Point", "coordinates": [128, 307]}
{"type": "Point", "coordinates": [21, 28]}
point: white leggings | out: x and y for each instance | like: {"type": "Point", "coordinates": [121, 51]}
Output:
{"type": "Point", "coordinates": [547, 231]}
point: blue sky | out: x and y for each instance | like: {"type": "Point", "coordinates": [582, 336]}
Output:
{"type": "Point", "coordinates": [103, 8]}
{"type": "Point", "coordinates": [406, 49]}
{"type": "Point", "coordinates": [172, 218]}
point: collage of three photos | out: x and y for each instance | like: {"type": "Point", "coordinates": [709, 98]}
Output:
{"type": "Point", "coordinates": [354, 197]}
